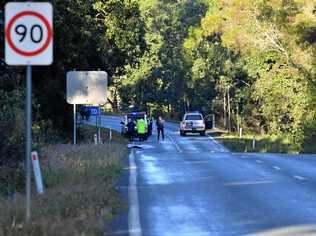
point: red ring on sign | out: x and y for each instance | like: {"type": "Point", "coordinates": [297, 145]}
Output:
{"type": "Point", "coordinates": [41, 49]}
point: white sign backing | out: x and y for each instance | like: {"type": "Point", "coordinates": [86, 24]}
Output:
{"type": "Point", "coordinates": [87, 87]}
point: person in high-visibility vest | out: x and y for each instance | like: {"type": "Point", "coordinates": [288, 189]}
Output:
{"type": "Point", "coordinates": [141, 129]}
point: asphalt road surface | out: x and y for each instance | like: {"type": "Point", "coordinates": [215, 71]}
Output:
{"type": "Point", "coordinates": [192, 185]}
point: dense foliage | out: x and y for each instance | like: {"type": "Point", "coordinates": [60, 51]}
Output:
{"type": "Point", "coordinates": [88, 35]}
{"type": "Point", "coordinates": [252, 63]}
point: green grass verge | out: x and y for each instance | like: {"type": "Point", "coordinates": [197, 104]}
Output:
{"type": "Point", "coordinates": [79, 198]}
{"type": "Point", "coordinates": [271, 144]}
{"type": "Point", "coordinates": [85, 134]}
{"type": "Point", "coordinates": [264, 144]}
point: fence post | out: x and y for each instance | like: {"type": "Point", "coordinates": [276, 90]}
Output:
{"type": "Point", "coordinates": [95, 139]}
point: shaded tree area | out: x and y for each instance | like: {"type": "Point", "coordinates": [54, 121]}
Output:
{"type": "Point", "coordinates": [251, 63]}
{"type": "Point", "coordinates": [88, 35]}
{"type": "Point", "coordinates": [267, 80]}
{"type": "Point", "coordinates": [158, 79]}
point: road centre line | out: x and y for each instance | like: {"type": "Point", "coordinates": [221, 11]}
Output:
{"type": "Point", "coordinates": [175, 144]}
{"type": "Point", "coordinates": [299, 177]}
{"type": "Point", "coordinates": [258, 161]}
{"type": "Point", "coordinates": [134, 226]}
{"type": "Point", "coordinates": [276, 167]}
{"type": "Point", "coordinates": [241, 183]}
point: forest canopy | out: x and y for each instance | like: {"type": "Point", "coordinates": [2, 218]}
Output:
{"type": "Point", "coordinates": [251, 63]}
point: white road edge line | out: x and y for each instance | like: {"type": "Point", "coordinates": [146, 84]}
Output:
{"type": "Point", "coordinates": [218, 144]}
{"type": "Point", "coordinates": [211, 138]}
{"type": "Point", "coordinates": [299, 177]}
{"type": "Point", "coordinates": [175, 144]}
{"type": "Point", "coordinates": [134, 227]}
{"type": "Point", "coordinates": [276, 167]}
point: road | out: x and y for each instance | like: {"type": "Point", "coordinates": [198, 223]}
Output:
{"type": "Point", "coordinates": [194, 186]}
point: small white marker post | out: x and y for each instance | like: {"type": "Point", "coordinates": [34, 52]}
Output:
{"type": "Point", "coordinates": [240, 132]}
{"type": "Point", "coordinates": [95, 139]}
{"type": "Point", "coordinates": [37, 173]}
{"type": "Point", "coordinates": [213, 122]}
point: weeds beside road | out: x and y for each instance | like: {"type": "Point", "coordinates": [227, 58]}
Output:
{"type": "Point", "coordinates": [79, 196]}
{"type": "Point", "coordinates": [263, 143]}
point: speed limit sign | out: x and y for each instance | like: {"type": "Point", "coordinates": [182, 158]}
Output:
{"type": "Point", "coordinates": [28, 33]}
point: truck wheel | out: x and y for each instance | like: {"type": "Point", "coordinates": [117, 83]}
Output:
{"type": "Point", "coordinates": [202, 133]}
{"type": "Point", "coordinates": [182, 133]}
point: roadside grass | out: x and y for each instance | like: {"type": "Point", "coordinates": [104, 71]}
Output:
{"type": "Point", "coordinates": [264, 144]}
{"type": "Point", "coordinates": [79, 198]}
{"type": "Point", "coordinates": [85, 134]}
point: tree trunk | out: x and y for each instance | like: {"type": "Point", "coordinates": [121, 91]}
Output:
{"type": "Point", "coordinates": [112, 103]}
{"type": "Point", "coordinates": [237, 118]}
{"type": "Point", "coordinates": [224, 110]}
{"type": "Point", "coordinates": [187, 104]}
{"type": "Point", "coordinates": [229, 111]}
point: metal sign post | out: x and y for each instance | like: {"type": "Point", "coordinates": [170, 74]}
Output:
{"type": "Point", "coordinates": [96, 127]}
{"type": "Point", "coordinates": [75, 126]}
{"type": "Point", "coordinates": [28, 41]}
{"type": "Point", "coordinates": [28, 142]}
{"type": "Point", "coordinates": [99, 124]}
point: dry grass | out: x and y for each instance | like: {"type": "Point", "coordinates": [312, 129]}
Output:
{"type": "Point", "coordinates": [79, 195]}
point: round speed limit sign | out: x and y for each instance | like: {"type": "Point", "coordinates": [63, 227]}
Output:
{"type": "Point", "coordinates": [28, 33]}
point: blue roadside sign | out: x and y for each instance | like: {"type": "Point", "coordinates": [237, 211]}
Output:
{"type": "Point", "coordinates": [94, 111]}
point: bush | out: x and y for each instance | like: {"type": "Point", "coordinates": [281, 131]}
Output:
{"type": "Point", "coordinates": [12, 131]}
{"type": "Point", "coordinates": [79, 196]}
{"type": "Point", "coordinates": [12, 139]}
{"type": "Point", "coordinates": [309, 140]}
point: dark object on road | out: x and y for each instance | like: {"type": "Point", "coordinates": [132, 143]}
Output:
{"type": "Point", "coordinates": [131, 128]}
{"type": "Point", "coordinates": [209, 119]}
{"type": "Point", "coordinates": [160, 127]}
{"type": "Point", "coordinates": [150, 127]}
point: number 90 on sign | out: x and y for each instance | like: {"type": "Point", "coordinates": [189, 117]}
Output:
{"type": "Point", "coordinates": [23, 31]}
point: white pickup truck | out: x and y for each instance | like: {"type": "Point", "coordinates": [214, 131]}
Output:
{"type": "Point", "coordinates": [192, 122]}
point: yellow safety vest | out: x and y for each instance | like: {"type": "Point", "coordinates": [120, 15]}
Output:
{"type": "Point", "coordinates": [140, 127]}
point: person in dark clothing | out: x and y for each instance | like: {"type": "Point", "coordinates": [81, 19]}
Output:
{"type": "Point", "coordinates": [160, 127]}
{"type": "Point", "coordinates": [150, 127]}
{"type": "Point", "coordinates": [130, 129]}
